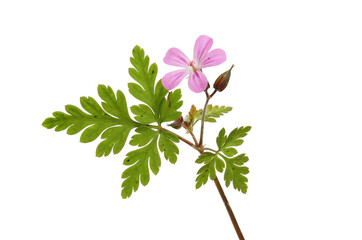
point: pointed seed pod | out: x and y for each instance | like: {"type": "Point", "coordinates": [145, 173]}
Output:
{"type": "Point", "coordinates": [178, 123]}
{"type": "Point", "coordinates": [223, 80]}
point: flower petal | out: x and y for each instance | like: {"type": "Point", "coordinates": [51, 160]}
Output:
{"type": "Point", "coordinates": [202, 47]}
{"type": "Point", "coordinates": [213, 58]}
{"type": "Point", "coordinates": [176, 57]}
{"type": "Point", "coordinates": [198, 82]}
{"type": "Point", "coordinates": [172, 79]}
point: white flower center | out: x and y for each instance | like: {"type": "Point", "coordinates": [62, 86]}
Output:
{"type": "Point", "coordinates": [193, 67]}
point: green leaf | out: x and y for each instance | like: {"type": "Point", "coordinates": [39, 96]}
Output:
{"type": "Point", "coordinates": [212, 112]}
{"type": "Point", "coordinates": [167, 145]}
{"type": "Point", "coordinates": [147, 156]}
{"type": "Point", "coordinates": [145, 136]}
{"type": "Point", "coordinates": [170, 106]}
{"type": "Point", "coordinates": [142, 73]}
{"type": "Point", "coordinates": [226, 143]}
{"type": "Point", "coordinates": [235, 172]}
{"type": "Point", "coordinates": [115, 105]}
{"type": "Point", "coordinates": [112, 120]}
{"type": "Point", "coordinates": [157, 108]}
{"type": "Point", "coordinates": [114, 138]}
{"type": "Point", "coordinates": [160, 109]}
{"type": "Point", "coordinates": [221, 138]}
{"type": "Point", "coordinates": [145, 76]}
{"type": "Point", "coordinates": [143, 114]}
{"type": "Point", "coordinates": [138, 161]}
{"type": "Point", "coordinates": [211, 162]}
{"type": "Point", "coordinates": [138, 92]}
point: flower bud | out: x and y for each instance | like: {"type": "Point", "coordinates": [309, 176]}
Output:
{"type": "Point", "coordinates": [223, 80]}
{"type": "Point", "coordinates": [178, 123]}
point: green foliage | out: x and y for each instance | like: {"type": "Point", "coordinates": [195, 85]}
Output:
{"type": "Point", "coordinates": [145, 76]}
{"type": "Point", "coordinates": [235, 171]}
{"type": "Point", "coordinates": [211, 161]}
{"type": "Point", "coordinates": [112, 122]}
{"type": "Point", "coordinates": [159, 109]}
{"type": "Point", "coordinates": [212, 112]}
{"type": "Point", "coordinates": [140, 159]}
{"type": "Point", "coordinates": [168, 110]}
{"type": "Point", "coordinates": [226, 143]}
{"type": "Point", "coordinates": [143, 114]}
{"type": "Point", "coordinates": [167, 145]}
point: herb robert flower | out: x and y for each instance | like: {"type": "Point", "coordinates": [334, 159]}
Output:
{"type": "Point", "coordinates": [203, 58]}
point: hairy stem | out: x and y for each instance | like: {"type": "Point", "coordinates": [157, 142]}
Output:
{"type": "Point", "coordinates": [210, 149]}
{"type": "Point", "coordinates": [228, 208]}
{"type": "Point", "coordinates": [194, 138]}
{"type": "Point", "coordinates": [208, 97]}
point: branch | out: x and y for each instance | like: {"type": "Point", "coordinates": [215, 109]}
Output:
{"type": "Point", "coordinates": [208, 97]}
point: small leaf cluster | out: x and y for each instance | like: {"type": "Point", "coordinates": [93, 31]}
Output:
{"type": "Point", "coordinates": [226, 160]}
{"type": "Point", "coordinates": [111, 121]}
{"type": "Point", "coordinates": [211, 113]}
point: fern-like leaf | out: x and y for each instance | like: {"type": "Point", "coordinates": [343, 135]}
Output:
{"type": "Point", "coordinates": [112, 120]}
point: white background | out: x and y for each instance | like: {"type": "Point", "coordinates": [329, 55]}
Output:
{"type": "Point", "coordinates": [296, 81]}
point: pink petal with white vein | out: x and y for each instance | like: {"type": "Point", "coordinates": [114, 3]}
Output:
{"type": "Point", "coordinates": [202, 46]}
{"type": "Point", "coordinates": [176, 57]}
{"type": "Point", "coordinates": [214, 58]}
{"type": "Point", "coordinates": [172, 79]}
{"type": "Point", "coordinates": [198, 82]}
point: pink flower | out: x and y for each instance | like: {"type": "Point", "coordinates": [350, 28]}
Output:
{"type": "Point", "coordinates": [203, 58]}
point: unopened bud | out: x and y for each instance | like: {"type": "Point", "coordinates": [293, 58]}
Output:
{"type": "Point", "coordinates": [223, 80]}
{"type": "Point", "coordinates": [178, 123]}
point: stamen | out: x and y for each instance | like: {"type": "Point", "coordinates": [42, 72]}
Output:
{"type": "Point", "coordinates": [193, 66]}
